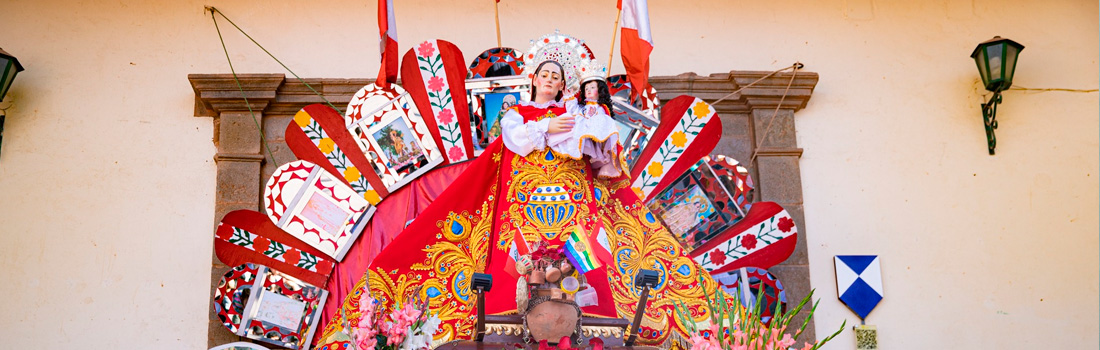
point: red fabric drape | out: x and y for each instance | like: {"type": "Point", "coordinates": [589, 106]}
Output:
{"type": "Point", "coordinates": [389, 220]}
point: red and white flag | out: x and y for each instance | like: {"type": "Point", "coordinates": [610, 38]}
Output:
{"type": "Point", "coordinates": [636, 42]}
{"type": "Point", "coordinates": [387, 42]}
{"type": "Point", "coordinates": [515, 250]}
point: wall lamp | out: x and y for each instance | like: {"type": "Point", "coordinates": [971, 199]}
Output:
{"type": "Point", "coordinates": [9, 66]}
{"type": "Point", "coordinates": [996, 60]}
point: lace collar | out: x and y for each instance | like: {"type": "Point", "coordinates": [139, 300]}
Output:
{"type": "Point", "coordinates": [541, 105]}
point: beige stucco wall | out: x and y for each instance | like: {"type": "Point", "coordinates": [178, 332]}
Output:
{"type": "Point", "coordinates": [106, 178]}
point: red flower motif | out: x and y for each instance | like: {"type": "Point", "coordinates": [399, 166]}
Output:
{"type": "Point", "coordinates": [261, 244]}
{"type": "Point", "coordinates": [435, 84]}
{"type": "Point", "coordinates": [455, 153]}
{"type": "Point", "coordinates": [445, 116]}
{"type": "Point", "coordinates": [225, 232]}
{"type": "Point", "coordinates": [323, 266]}
{"type": "Point", "coordinates": [748, 241]}
{"type": "Point", "coordinates": [292, 256]}
{"type": "Point", "coordinates": [786, 224]}
{"type": "Point", "coordinates": [425, 49]}
{"type": "Point", "coordinates": [718, 257]}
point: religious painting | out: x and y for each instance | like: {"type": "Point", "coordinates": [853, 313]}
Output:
{"type": "Point", "coordinates": [494, 107]}
{"type": "Point", "coordinates": [396, 151]}
{"type": "Point", "coordinates": [374, 106]}
{"type": "Point", "coordinates": [696, 207]}
{"type": "Point", "coordinates": [399, 148]}
{"type": "Point", "coordinates": [488, 97]}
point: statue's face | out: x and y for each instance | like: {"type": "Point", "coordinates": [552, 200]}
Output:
{"type": "Point", "coordinates": [549, 79]}
{"type": "Point", "coordinates": [592, 91]}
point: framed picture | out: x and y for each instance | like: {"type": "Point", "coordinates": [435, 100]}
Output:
{"type": "Point", "coordinates": [310, 204]}
{"type": "Point", "coordinates": [281, 310]}
{"type": "Point", "coordinates": [397, 152]}
{"type": "Point", "coordinates": [696, 207]}
{"type": "Point", "coordinates": [493, 107]}
{"type": "Point", "coordinates": [487, 97]}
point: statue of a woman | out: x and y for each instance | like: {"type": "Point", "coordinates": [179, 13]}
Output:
{"type": "Point", "coordinates": [519, 191]}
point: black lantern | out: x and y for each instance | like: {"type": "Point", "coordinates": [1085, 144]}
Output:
{"type": "Point", "coordinates": [996, 60]}
{"type": "Point", "coordinates": [9, 67]}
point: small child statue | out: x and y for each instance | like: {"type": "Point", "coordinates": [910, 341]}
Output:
{"type": "Point", "coordinates": [594, 133]}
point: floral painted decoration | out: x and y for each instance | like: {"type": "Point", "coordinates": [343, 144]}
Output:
{"type": "Point", "coordinates": [682, 136]}
{"type": "Point", "coordinates": [434, 73]}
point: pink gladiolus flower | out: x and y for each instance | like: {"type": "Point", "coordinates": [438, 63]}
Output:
{"type": "Point", "coordinates": [786, 342]}
{"type": "Point", "coordinates": [395, 333]}
{"type": "Point", "coordinates": [365, 338]}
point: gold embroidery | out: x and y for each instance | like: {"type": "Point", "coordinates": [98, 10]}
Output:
{"type": "Point", "coordinates": [443, 280]}
{"type": "Point", "coordinates": [638, 241]}
{"type": "Point", "coordinates": [547, 193]}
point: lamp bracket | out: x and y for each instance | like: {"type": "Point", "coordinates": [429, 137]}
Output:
{"type": "Point", "coordinates": [989, 116]}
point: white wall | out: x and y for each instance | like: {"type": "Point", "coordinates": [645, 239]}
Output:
{"type": "Point", "coordinates": [106, 178]}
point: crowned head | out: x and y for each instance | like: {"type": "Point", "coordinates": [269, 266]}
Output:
{"type": "Point", "coordinates": [592, 69]}
{"type": "Point", "coordinates": [565, 50]}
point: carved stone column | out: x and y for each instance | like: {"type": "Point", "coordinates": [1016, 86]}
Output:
{"type": "Point", "coordinates": [240, 152]}
{"type": "Point", "coordinates": [752, 123]}
{"type": "Point", "coordinates": [777, 168]}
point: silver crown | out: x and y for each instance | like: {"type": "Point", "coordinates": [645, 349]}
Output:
{"type": "Point", "coordinates": [564, 49]}
{"type": "Point", "coordinates": [592, 70]}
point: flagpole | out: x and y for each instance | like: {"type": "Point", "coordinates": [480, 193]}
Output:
{"type": "Point", "coordinates": [611, 55]}
{"type": "Point", "coordinates": [496, 13]}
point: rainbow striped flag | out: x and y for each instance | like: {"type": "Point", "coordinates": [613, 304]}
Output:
{"type": "Point", "coordinates": [579, 253]}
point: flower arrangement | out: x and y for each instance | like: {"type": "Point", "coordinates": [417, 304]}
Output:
{"type": "Point", "coordinates": [733, 326]}
{"type": "Point", "coordinates": [408, 326]}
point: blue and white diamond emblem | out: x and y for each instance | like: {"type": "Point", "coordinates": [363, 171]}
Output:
{"type": "Point", "coordinates": [859, 282]}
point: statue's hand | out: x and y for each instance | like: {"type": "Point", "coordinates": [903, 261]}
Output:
{"type": "Point", "coordinates": [563, 123]}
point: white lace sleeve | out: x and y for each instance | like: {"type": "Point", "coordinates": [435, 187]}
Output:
{"type": "Point", "coordinates": [572, 106]}
{"type": "Point", "coordinates": [523, 138]}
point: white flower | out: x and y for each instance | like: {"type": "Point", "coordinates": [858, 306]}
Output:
{"type": "Point", "coordinates": [431, 325]}
{"type": "Point", "coordinates": [421, 337]}
{"type": "Point", "coordinates": [417, 341]}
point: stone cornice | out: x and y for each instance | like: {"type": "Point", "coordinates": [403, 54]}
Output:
{"type": "Point", "coordinates": [215, 93]}
{"type": "Point", "coordinates": [276, 94]}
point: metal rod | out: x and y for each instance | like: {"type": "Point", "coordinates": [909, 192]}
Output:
{"type": "Point", "coordinates": [638, 317]}
{"type": "Point", "coordinates": [496, 14]}
{"type": "Point", "coordinates": [614, 32]}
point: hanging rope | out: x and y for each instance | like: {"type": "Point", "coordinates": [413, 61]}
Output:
{"type": "Point", "coordinates": [1017, 87]}
{"type": "Point", "coordinates": [795, 66]}
{"type": "Point", "coordinates": [794, 73]}
{"type": "Point", "coordinates": [215, 10]}
{"type": "Point", "coordinates": [241, 88]}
